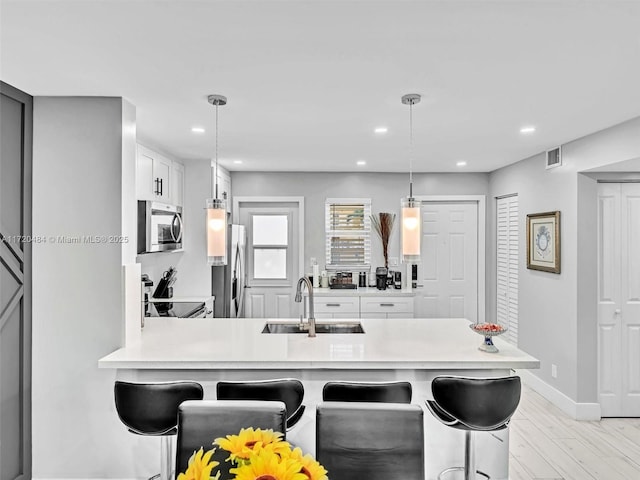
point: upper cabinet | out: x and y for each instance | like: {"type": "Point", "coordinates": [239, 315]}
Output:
{"type": "Point", "coordinates": [224, 186]}
{"type": "Point", "coordinates": [177, 184]}
{"type": "Point", "coordinates": [158, 178]}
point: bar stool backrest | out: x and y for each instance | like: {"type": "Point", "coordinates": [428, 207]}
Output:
{"type": "Point", "coordinates": [478, 403]}
{"type": "Point", "coordinates": [287, 390]}
{"type": "Point", "coordinates": [387, 392]}
{"type": "Point", "coordinates": [152, 408]}
{"type": "Point", "coordinates": [201, 422]}
{"type": "Point", "coordinates": [373, 441]}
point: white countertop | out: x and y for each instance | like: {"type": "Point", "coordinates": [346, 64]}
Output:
{"type": "Point", "coordinates": [361, 292]}
{"type": "Point", "coordinates": [222, 343]}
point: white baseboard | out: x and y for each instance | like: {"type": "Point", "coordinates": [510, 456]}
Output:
{"type": "Point", "coordinates": [577, 411]}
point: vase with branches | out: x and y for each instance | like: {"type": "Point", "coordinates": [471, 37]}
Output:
{"type": "Point", "coordinates": [383, 224]}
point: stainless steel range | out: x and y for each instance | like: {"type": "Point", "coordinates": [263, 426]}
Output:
{"type": "Point", "coordinates": [177, 309]}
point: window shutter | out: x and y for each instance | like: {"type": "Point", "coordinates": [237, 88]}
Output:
{"type": "Point", "coordinates": [348, 233]}
{"type": "Point", "coordinates": [507, 266]}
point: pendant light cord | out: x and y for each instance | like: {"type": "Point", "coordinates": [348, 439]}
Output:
{"type": "Point", "coordinates": [411, 149]}
{"type": "Point", "coordinates": [216, 172]}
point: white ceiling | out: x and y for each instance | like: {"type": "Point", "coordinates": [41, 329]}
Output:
{"type": "Point", "coordinates": [308, 81]}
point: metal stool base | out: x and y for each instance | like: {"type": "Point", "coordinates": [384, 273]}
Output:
{"type": "Point", "coordinates": [460, 469]}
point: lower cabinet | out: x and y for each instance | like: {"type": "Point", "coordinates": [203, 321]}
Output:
{"type": "Point", "coordinates": [386, 307]}
{"type": "Point", "coordinates": [337, 307]}
{"type": "Point", "coordinates": [363, 307]}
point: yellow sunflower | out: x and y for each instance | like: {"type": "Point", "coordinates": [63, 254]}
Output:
{"type": "Point", "coordinates": [310, 466]}
{"type": "Point", "coordinates": [249, 440]}
{"type": "Point", "coordinates": [268, 465]}
{"type": "Point", "coordinates": [200, 466]}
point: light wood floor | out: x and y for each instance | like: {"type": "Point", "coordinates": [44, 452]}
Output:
{"type": "Point", "coordinates": [544, 443]}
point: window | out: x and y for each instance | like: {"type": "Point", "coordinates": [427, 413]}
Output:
{"type": "Point", "coordinates": [270, 239]}
{"type": "Point", "coordinates": [348, 233]}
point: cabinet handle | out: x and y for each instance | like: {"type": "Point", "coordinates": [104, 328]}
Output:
{"type": "Point", "coordinates": [333, 304]}
{"type": "Point", "coordinates": [160, 187]}
{"type": "Point", "coordinates": [157, 190]}
{"type": "Point", "coordinates": [387, 305]}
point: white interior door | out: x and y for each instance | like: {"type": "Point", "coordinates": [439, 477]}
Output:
{"type": "Point", "coordinates": [619, 299]}
{"type": "Point", "coordinates": [272, 258]}
{"type": "Point", "coordinates": [448, 274]}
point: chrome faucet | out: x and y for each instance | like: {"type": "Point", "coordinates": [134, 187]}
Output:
{"type": "Point", "coordinates": [311, 319]}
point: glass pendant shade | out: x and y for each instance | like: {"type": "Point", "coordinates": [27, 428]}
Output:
{"type": "Point", "coordinates": [216, 232]}
{"type": "Point", "coordinates": [411, 230]}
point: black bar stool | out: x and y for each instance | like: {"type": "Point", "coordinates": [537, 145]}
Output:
{"type": "Point", "coordinates": [473, 405]}
{"type": "Point", "coordinates": [152, 409]}
{"type": "Point", "coordinates": [386, 392]}
{"type": "Point", "coordinates": [287, 390]}
{"type": "Point", "coordinates": [201, 422]}
{"type": "Point", "coordinates": [372, 441]}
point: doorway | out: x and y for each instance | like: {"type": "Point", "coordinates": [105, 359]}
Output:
{"type": "Point", "coordinates": [16, 110]}
{"type": "Point", "coordinates": [275, 252]}
{"type": "Point", "coordinates": [451, 274]}
{"type": "Point", "coordinates": [619, 299]}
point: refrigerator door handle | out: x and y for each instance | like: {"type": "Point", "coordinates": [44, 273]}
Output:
{"type": "Point", "coordinates": [242, 283]}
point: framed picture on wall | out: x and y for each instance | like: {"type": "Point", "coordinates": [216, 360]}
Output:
{"type": "Point", "coordinates": [543, 241]}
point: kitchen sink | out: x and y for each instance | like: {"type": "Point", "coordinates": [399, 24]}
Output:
{"type": "Point", "coordinates": [343, 327]}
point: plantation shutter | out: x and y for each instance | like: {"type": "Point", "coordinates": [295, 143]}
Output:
{"type": "Point", "coordinates": [507, 266]}
{"type": "Point", "coordinates": [348, 233]}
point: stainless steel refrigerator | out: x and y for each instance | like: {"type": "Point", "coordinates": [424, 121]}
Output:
{"type": "Point", "coordinates": [228, 281]}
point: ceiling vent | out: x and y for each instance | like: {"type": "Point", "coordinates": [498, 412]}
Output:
{"type": "Point", "coordinates": [554, 157]}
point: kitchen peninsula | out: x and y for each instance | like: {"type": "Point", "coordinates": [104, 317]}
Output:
{"type": "Point", "coordinates": [416, 350]}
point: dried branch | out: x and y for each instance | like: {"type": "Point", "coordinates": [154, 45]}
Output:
{"type": "Point", "coordinates": [383, 225]}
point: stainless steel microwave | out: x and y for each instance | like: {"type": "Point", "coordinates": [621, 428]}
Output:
{"type": "Point", "coordinates": [160, 227]}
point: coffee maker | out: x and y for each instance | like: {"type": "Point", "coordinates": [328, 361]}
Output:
{"type": "Point", "coordinates": [381, 278]}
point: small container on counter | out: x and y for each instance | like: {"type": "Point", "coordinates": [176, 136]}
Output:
{"type": "Point", "coordinates": [324, 279]}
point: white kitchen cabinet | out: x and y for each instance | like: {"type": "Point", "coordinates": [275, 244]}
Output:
{"type": "Point", "coordinates": [386, 307]}
{"type": "Point", "coordinates": [224, 186]}
{"type": "Point", "coordinates": [153, 173]}
{"type": "Point", "coordinates": [177, 184]}
{"type": "Point", "coordinates": [363, 306]}
{"type": "Point", "coordinates": [337, 307]}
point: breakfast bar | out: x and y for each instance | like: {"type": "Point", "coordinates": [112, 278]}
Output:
{"type": "Point", "coordinates": [415, 350]}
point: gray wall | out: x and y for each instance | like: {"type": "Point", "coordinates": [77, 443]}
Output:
{"type": "Point", "coordinates": [78, 150]}
{"type": "Point", "coordinates": [384, 189]}
{"type": "Point", "coordinates": [557, 313]}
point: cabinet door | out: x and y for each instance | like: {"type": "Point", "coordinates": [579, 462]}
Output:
{"type": "Point", "coordinates": [387, 304]}
{"type": "Point", "coordinates": [144, 175]}
{"type": "Point", "coordinates": [177, 184]}
{"type": "Point", "coordinates": [161, 176]}
{"type": "Point", "coordinates": [338, 306]}
{"type": "Point", "coordinates": [224, 188]}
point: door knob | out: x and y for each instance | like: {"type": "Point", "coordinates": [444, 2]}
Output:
{"type": "Point", "coordinates": [617, 311]}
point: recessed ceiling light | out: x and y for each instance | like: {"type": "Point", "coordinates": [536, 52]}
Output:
{"type": "Point", "coordinates": [237, 162]}
{"type": "Point", "coordinates": [461, 164]}
{"type": "Point", "coordinates": [381, 130]}
{"type": "Point", "coordinates": [361, 162]}
{"type": "Point", "coordinates": [197, 130]}
{"type": "Point", "coordinates": [528, 129]}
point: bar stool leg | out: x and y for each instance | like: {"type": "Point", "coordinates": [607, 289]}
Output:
{"type": "Point", "coordinates": [165, 458]}
{"type": "Point", "coordinates": [469, 468]}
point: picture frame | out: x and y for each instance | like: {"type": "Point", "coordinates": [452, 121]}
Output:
{"type": "Point", "coordinates": [543, 241]}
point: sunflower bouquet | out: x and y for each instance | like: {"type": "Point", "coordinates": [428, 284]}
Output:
{"type": "Point", "coordinates": [256, 455]}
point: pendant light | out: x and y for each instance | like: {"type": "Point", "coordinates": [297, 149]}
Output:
{"type": "Point", "coordinates": [216, 208]}
{"type": "Point", "coordinates": [410, 207]}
